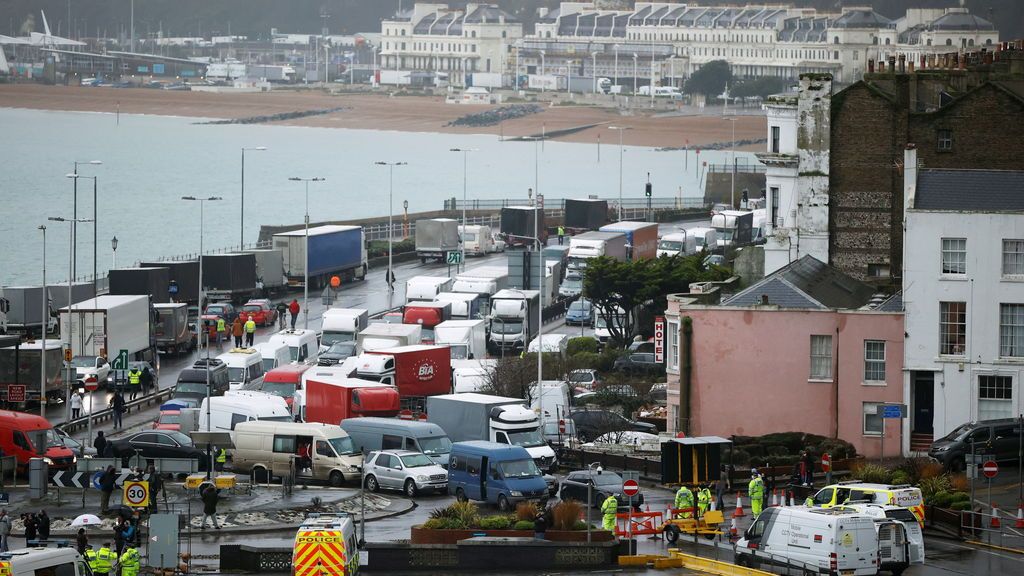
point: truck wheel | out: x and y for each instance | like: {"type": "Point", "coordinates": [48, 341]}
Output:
{"type": "Point", "coordinates": [371, 484]}
{"type": "Point", "coordinates": [336, 479]}
{"type": "Point", "coordinates": [260, 474]}
{"type": "Point", "coordinates": [503, 503]}
{"type": "Point", "coordinates": [460, 495]}
{"type": "Point", "coordinates": [410, 488]}
{"type": "Point", "coordinates": [672, 533]}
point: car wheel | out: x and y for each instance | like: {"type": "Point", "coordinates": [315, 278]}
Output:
{"type": "Point", "coordinates": [410, 488]}
{"type": "Point", "coordinates": [260, 475]}
{"type": "Point", "coordinates": [503, 503]}
{"type": "Point", "coordinates": [371, 484]}
{"type": "Point", "coordinates": [672, 533]}
{"type": "Point", "coordinates": [460, 495]}
{"type": "Point", "coordinates": [336, 479]}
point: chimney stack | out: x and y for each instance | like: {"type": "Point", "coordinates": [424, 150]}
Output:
{"type": "Point", "coordinates": [903, 63]}
{"type": "Point", "coordinates": [909, 177]}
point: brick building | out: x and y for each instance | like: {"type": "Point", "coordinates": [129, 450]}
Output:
{"type": "Point", "coordinates": [962, 111]}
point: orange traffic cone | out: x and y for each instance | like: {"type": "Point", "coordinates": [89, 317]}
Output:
{"type": "Point", "coordinates": [733, 531]}
{"type": "Point", "coordinates": [775, 497]}
{"type": "Point", "coordinates": [995, 516]}
{"type": "Point", "coordinates": [1020, 516]}
{"type": "Point", "coordinates": [792, 499]}
{"type": "Point", "coordinates": [782, 498]}
{"type": "Point", "coordinates": [739, 507]}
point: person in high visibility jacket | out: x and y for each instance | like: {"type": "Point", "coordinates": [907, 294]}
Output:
{"type": "Point", "coordinates": [90, 557]}
{"type": "Point", "coordinates": [561, 234]}
{"type": "Point", "coordinates": [105, 558]}
{"type": "Point", "coordinates": [129, 562]}
{"type": "Point", "coordinates": [809, 502]}
{"type": "Point", "coordinates": [134, 382]}
{"type": "Point", "coordinates": [703, 499]}
{"type": "Point", "coordinates": [608, 508]}
{"type": "Point", "coordinates": [756, 491]}
{"type": "Point", "coordinates": [222, 330]}
{"type": "Point", "coordinates": [684, 501]}
{"type": "Point", "coordinates": [250, 331]}
{"type": "Point", "coordinates": [222, 459]}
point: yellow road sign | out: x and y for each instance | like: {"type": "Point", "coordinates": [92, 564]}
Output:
{"type": "Point", "coordinates": [136, 493]}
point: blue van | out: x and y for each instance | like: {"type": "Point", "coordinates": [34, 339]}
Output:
{"type": "Point", "coordinates": [496, 473]}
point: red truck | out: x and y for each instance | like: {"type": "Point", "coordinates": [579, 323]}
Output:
{"type": "Point", "coordinates": [283, 381]}
{"type": "Point", "coordinates": [331, 396]}
{"type": "Point", "coordinates": [417, 371]}
{"type": "Point", "coordinates": [427, 315]}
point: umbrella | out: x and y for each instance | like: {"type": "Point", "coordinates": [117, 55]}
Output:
{"type": "Point", "coordinates": [86, 520]}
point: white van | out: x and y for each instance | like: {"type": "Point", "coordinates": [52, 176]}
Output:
{"type": "Point", "coordinates": [472, 375]}
{"type": "Point", "coordinates": [303, 346]}
{"type": "Point", "coordinates": [268, 447]}
{"type": "Point", "coordinates": [274, 355]}
{"type": "Point", "coordinates": [704, 238]}
{"type": "Point", "coordinates": [36, 561]}
{"type": "Point", "coordinates": [426, 288]}
{"type": "Point", "coordinates": [554, 396]}
{"type": "Point", "coordinates": [245, 367]}
{"type": "Point", "coordinates": [677, 244]}
{"type": "Point", "coordinates": [228, 411]}
{"type": "Point", "coordinates": [550, 344]}
{"type": "Point", "coordinates": [826, 540]}
{"type": "Point", "coordinates": [371, 434]}
{"type": "Point", "coordinates": [908, 541]}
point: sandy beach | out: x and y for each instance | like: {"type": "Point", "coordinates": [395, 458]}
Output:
{"type": "Point", "coordinates": [378, 111]}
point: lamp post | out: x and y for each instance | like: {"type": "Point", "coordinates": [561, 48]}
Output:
{"type": "Point", "coordinates": [635, 59]}
{"type": "Point", "coordinates": [616, 64]}
{"type": "Point", "coordinates": [542, 84]}
{"type": "Point", "coordinates": [199, 324]}
{"type": "Point", "coordinates": [71, 265]}
{"type": "Point", "coordinates": [42, 350]}
{"type": "Point", "coordinates": [74, 214]}
{"type": "Point", "coordinates": [465, 197]}
{"type": "Point", "coordinates": [241, 208]}
{"type": "Point", "coordinates": [732, 160]}
{"type": "Point", "coordinates": [113, 248]}
{"type": "Point", "coordinates": [593, 72]}
{"type": "Point", "coordinates": [305, 266]}
{"type": "Point", "coordinates": [391, 227]}
{"type": "Point", "coordinates": [620, 130]}
{"type": "Point", "coordinates": [95, 219]}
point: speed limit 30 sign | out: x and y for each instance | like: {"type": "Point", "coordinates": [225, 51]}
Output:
{"type": "Point", "coordinates": [136, 493]}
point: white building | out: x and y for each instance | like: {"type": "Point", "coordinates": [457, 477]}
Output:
{"type": "Point", "coordinates": [796, 179]}
{"type": "Point", "coordinates": [963, 289]}
{"type": "Point", "coordinates": [431, 39]}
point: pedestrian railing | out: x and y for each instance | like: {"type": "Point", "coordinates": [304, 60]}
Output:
{"type": "Point", "coordinates": [558, 204]}
{"type": "Point", "coordinates": [82, 423]}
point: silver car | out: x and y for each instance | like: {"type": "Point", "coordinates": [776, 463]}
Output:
{"type": "Point", "coordinates": [410, 472]}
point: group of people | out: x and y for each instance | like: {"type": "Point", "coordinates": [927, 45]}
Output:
{"type": "Point", "coordinates": [247, 328]}
{"type": "Point", "coordinates": [684, 500]}
{"type": "Point", "coordinates": [107, 561]}
{"type": "Point", "coordinates": [37, 526]}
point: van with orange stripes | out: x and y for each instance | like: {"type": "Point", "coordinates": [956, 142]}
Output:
{"type": "Point", "coordinates": [325, 545]}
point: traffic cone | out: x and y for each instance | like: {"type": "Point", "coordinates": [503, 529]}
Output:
{"type": "Point", "coordinates": [733, 531]}
{"type": "Point", "coordinates": [792, 499]}
{"type": "Point", "coordinates": [739, 507]}
{"type": "Point", "coordinates": [995, 516]}
{"type": "Point", "coordinates": [782, 498]}
{"type": "Point", "coordinates": [713, 505]}
{"type": "Point", "coordinates": [775, 498]}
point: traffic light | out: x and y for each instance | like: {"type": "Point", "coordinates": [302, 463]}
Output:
{"type": "Point", "coordinates": [647, 190]}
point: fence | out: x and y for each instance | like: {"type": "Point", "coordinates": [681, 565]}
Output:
{"type": "Point", "coordinates": [555, 207]}
{"type": "Point", "coordinates": [741, 168]}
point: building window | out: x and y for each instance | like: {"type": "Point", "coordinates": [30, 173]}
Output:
{"type": "Point", "coordinates": [1011, 330]}
{"type": "Point", "coordinates": [954, 255]}
{"type": "Point", "coordinates": [945, 140]}
{"type": "Point", "coordinates": [821, 357]}
{"type": "Point", "coordinates": [874, 360]}
{"type": "Point", "coordinates": [1013, 257]}
{"type": "Point", "coordinates": [775, 139]}
{"type": "Point", "coordinates": [995, 397]}
{"type": "Point", "coordinates": [872, 419]}
{"type": "Point", "coordinates": [673, 345]}
{"type": "Point", "coordinates": [773, 200]}
{"type": "Point", "coordinates": [952, 328]}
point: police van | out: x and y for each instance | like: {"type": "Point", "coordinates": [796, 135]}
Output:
{"type": "Point", "coordinates": [325, 545]}
{"type": "Point", "coordinates": [36, 561]}
{"type": "Point", "coordinates": [852, 491]}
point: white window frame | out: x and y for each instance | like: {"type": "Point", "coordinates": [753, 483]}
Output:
{"type": "Point", "coordinates": [954, 256]}
{"type": "Point", "coordinates": [1016, 256]}
{"type": "Point", "coordinates": [672, 348]}
{"type": "Point", "coordinates": [871, 409]}
{"type": "Point", "coordinates": [943, 330]}
{"type": "Point", "coordinates": [821, 339]}
{"type": "Point", "coordinates": [1009, 345]}
{"type": "Point", "coordinates": [1009, 412]}
{"type": "Point", "coordinates": [871, 364]}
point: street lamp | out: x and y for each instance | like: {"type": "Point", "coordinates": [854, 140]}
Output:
{"type": "Point", "coordinates": [542, 84]}
{"type": "Point", "coordinates": [241, 208]}
{"type": "Point", "coordinates": [113, 248]}
{"type": "Point", "coordinates": [732, 161]}
{"type": "Point", "coordinates": [593, 72]}
{"type": "Point", "coordinates": [305, 266]}
{"type": "Point", "coordinates": [95, 219]}
{"type": "Point", "coordinates": [42, 353]}
{"type": "Point", "coordinates": [620, 130]}
{"type": "Point", "coordinates": [616, 64]}
{"type": "Point", "coordinates": [391, 227]}
{"type": "Point", "coordinates": [635, 58]}
{"type": "Point", "coordinates": [199, 323]}
{"type": "Point", "coordinates": [465, 200]}
{"type": "Point", "coordinates": [74, 214]}
{"type": "Point", "coordinates": [72, 222]}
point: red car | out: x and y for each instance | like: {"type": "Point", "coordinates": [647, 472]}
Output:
{"type": "Point", "coordinates": [261, 311]}
{"type": "Point", "coordinates": [168, 420]}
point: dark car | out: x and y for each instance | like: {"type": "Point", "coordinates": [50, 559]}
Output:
{"type": "Point", "coordinates": [154, 377]}
{"type": "Point", "coordinates": [638, 362]}
{"type": "Point", "coordinates": [591, 424]}
{"type": "Point", "coordinates": [998, 438]}
{"type": "Point", "coordinates": [337, 353]}
{"type": "Point", "coordinates": [225, 310]}
{"type": "Point", "coordinates": [575, 487]}
{"type": "Point", "coordinates": [157, 444]}
{"type": "Point", "coordinates": [192, 381]}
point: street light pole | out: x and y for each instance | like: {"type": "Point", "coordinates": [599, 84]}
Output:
{"type": "Point", "coordinates": [241, 208]}
{"type": "Point", "coordinates": [391, 226]}
{"type": "Point", "coordinates": [71, 264]}
{"type": "Point", "coordinates": [95, 214]}
{"type": "Point", "coordinates": [732, 161]}
{"type": "Point", "coordinates": [465, 196]}
{"type": "Point", "coordinates": [620, 130]}
{"type": "Point", "coordinates": [42, 350]}
{"type": "Point", "coordinates": [113, 248]}
{"type": "Point", "coordinates": [305, 266]}
{"type": "Point", "coordinates": [74, 215]}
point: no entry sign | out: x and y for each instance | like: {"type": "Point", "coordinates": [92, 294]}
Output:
{"type": "Point", "coordinates": [630, 488]}
{"type": "Point", "coordinates": [990, 469]}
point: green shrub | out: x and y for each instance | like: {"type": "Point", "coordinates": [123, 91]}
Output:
{"type": "Point", "coordinates": [941, 499]}
{"type": "Point", "coordinates": [495, 523]}
{"type": "Point", "coordinates": [872, 473]}
{"type": "Point", "coordinates": [434, 524]}
{"type": "Point", "coordinates": [453, 524]}
{"type": "Point", "coordinates": [932, 486]}
{"type": "Point", "coordinates": [960, 506]}
{"type": "Point", "coordinates": [961, 497]}
{"type": "Point", "coordinates": [466, 513]}
{"type": "Point", "coordinates": [900, 477]}
{"type": "Point", "coordinates": [523, 525]}
{"type": "Point", "coordinates": [579, 525]}
{"type": "Point", "coordinates": [582, 344]}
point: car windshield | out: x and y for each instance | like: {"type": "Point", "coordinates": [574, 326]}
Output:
{"type": "Point", "coordinates": [602, 323]}
{"type": "Point", "coordinates": [236, 374]}
{"type": "Point", "coordinates": [251, 308]}
{"type": "Point", "coordinates": [218, 310]}
{"type": "Point", "coordinates": [416, 461]}
{"type": "Point", "coordinates": [507, 327]}
{"type": "Point", "coordinates": [282, 389]}
{"type": "Point", "coordinates": [959, 432]}
{"type": "Point", "coordinates": [170, 418]}
{"type": "Point", "coordinates": [53, 439]}
{"type": "Point", "coordinates": [519, 469]}
{"type": "Point", "coordinates": [573, 282]}
{"type": "Point", "coordinates": [673, 245]}
{"type": "Point", "coordinates": [435, 445]}
{"type": "Point", "coordinates": [607, 479]}
{"type": "Point", "coordinates": [342, 349]}
{"type": "Point", "coordinates": [331, 338]}
{"type": "Point", "coordinates": [190, 388]}
{"type": "Point", "coordinates": [526, 438]}
{"type": "Point", "coordinates": [83, 362]}
{"type": "Point", "coordinates": [343, 445]}
{"type": "Point", "coordinates": [581, 377]}
{"type": "Point", "coordinates": [268, 364]}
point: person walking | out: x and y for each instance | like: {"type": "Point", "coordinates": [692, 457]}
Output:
{"type": "Point", "coordinates": [76, 406]}
{"type": "Point", "coordinates": [117, 408]}
{"type": "Point", "coordinates": [756, 491]}
{"type": "Point", "coordinates": [237, 331]}
{"type": "Point", "coordinates": [134, 382]}
{"type": "Point", "coordinates": [44, 525]}
{"type": "Point", "coordinates": [147, 380]}
{"type": "Point", "coordinates": [722, 486]}
{"type": "Point", "coordinates": [250, 331]}
{"type": "Point", "coordinates": [5, 530]}
{"type": "Point", "coordinates": [82, 541]}
{"type": "Point", "coordinates": [119, 529]}
{"type": "Point", "coordinates": [107, 488]}
{"type": "Point", "coordinates": [282, 314]}
{"type": "Point", "coordinates": [105, 559]}
{"type": "Point", "coordinates": [100, 443]}
{"type": "Point", "coordinates": [561, 235]}
{"type": "Point", "coordinates": [129, 562]}
{"type": "Point", "coordinates": [222, 332]}
{"type": "Point", "coordinates": [294, 309]}
{"type": "Point", "coordinates": [684, 502]}
{"type": "Point", "coordinates": [540, 521]}
{"type": "Point", "coordinates": [210, 499]}
{"type": "Point", "coordinates": [31, 527]}
{"type": "Point", "coordinates": [609, 508]}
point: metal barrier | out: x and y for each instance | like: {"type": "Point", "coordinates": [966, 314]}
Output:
{"type": "Point", "coordinates": [638, 524]}
{"type": "Point", "coordinates": [558, 204]}
{"type": "Point", "coordinates": [82, 423]}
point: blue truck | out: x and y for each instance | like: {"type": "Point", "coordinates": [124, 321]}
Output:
{"type": "Point", "coordinates": [334, 250]}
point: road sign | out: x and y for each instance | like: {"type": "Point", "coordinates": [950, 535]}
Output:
{"type": "Point", "coordinates": [990, 469]}
{"type": "Point", "coordinates": [561, 426]}
{"type": "Point", "coordinates": [70, 479]}
{"type": "Point", "coordinates": [630, 488]}
{"type": "Point", "coordinates": [893, 410]}
{"type": "Point", "coordinates": [16, 393]}
{"type": "Point", "coordinates": [136, 493]}
{"type": "Point", "coordinates": [455, 257]}
{"type": "Point", "coordinates": [67, 354]}
{"type": "Point", "coordinates": [91, 383]}
{"type": "Point", "coordinates": [121, 362]}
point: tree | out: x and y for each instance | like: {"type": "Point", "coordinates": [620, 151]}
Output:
{"type": "Point", "coordinates": [710, 79]}
{"type": "Point", "coordinates": [762, 86]}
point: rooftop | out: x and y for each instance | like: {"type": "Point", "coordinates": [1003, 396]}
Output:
{"type": "Point", "coordinates": [809, 284]}
{"type": "Point", "coordinates": [970, 190]}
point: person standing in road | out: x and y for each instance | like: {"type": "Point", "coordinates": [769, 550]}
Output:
{"type": "Point", "coordinates": [808, 479]}
{"type": "Point", "coordinates": [156, 486]}
{"type": "Point", "coordinates": [684, 502]}
{"type": "Point", "coordinates": [250, 331]}
{"type": "Point", "coordinates": [756, 490]}
{"type": "Point", "coordinates": [282, 314]}
{"type": "Point", "coordinates": [222, 332]}
{"type": "Point", "coordinates": [31, 527]}
{"type": "Point", "coordinates": [76, 406]}
{"type": "Point", "coordinates": [703, 499]}
{"type": "Point", "coordinates": [44, 525]}
{"type": "Point", "coordinates": [129, 562]}
{"type": "Point", "coordinates": [298, 405]}
{"type": "Point", "coordinates": [147, 380]}
{"type": "Point", "coordinates": [236, 331]}
{"type": "Point", "coordinates": [117, 407]}
{"type": "Point", "coordinates": [107, 481]}
{"type": "Point", "coordinates": [119, 528]}
{"type": "Point", "coordinates": [294, 309]}
{"type": "Point", "coordinates": [82, 541]}
{"type": "Point", "coordinates": [134, 382]}
{"type": "Point", "coordinates": [105, 559]}
{"type": "Point", "coordinates": [100, 443]}
{"type": "Point", "coordinates": [221, 461]}
{"type": "Point", "coordinates": [5, 529]}
{"type": "Point", "coordinates": [609, 508]}
{"type": "Point", "coordinates": [721, 486]}
{"type": "Point", "coordinates": [210, 499]}
{"type": "Point", "coordinates": [561, 235]}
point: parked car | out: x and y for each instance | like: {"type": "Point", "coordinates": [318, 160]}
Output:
{"type": "Point", "coordinates": [157, 444]}
{"type": "Point", "coordinates": [638, 362]}
{"type": "Point", "coordinates": [410, 472]}
{"type": "Point", "coordinates": [1000, 438]}
{"type": "Point", "coordinates": [591, 424]}
{"type": "Point", "coordinates": [90, 368]}
{"type": "Point", "coordinates": [581, 312]}
{"type": "Point", "coordinates": [584, 380]}
{"type": "Point", "coordinates": [260, 310]}
{"type": "Point", "coordinates": [77, 448]}
{"type": "Point", "coordinates": [576, 485]}
{"type": "Point", "coordinates": [225, 310]}
{"type": "Point", "coordinates": [337, 353]}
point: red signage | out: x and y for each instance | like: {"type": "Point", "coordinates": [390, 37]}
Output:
{"type": "Point", "coordinates": [990, 469]}
{"type": "Point", "coordinates": [16, 393]}
{"type": "Point", "coordinates": [561, 426]}
{"type": "Point", "coordinates": [826, 462]}
{"type": "Point", "coordinates": [91, 384]}
{"type": "Point", "coordinates": [630, 488]}
{"type": "Point", "coordinates": [659, 339]}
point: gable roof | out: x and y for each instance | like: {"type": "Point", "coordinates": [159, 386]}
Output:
{"type": "Point", "coordinates": [807, 283]}
{"type": "Point", "coordinates": [970, 190]}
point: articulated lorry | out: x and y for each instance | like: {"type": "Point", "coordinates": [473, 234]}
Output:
{"type": "Point", "coordinates": [642, 237]}
{"type": "Point", "coordinates": [151, 281]}
{"type": "Point", "coordinates": [184, 274]}
{"type": "Point", "coordinates": [467, 339]}
{"type": "Point", "coordinates": [518, 225]}
{"type": "Point", "coordinates": [485, 281]}
{"type": "Point", "coordinates": [340, 324]}
{"type": "Point", "coordinates": [427, 315]}
{"type": "Point", "coordinates": [333, 251]}
{"type": "Point", "coordinates": [436, 237]}
{"type": "Point", "coordinates": [584, 214]}
{"type": "Point", "coordinates": [594, 244]}
{"type": "Point", "coordinates": [22, 365]}
{"type": "Point", "coordinates": [383, 336]}
{"type": "Point", "coordinates": [331, 396]}
{"type": "Point", "coordinates": [230, 277]}
{"type": "Point", "coordinates": [105, 325]}
{"type": "Point", "coordinates": [733, 227]}
{"type": "Point", "coordinates": [25, 313]}
{"type": "Point", "coordinates": [417, 372]}
{"type": "Point", "coordinates": [171, 328]}
{"type": "Point", "coordinates": [513, 320]}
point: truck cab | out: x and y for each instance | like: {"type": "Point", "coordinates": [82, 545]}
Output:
{"type": "Point", "coordinates": [426, 288]}
{"type": "Point", "coordinates": [677, 244]}
{"type": "Point", "coordinates": [341, 324]}
{"type": "Point", "coordinates": [303, 345]}
{"type": "Point", "coordinates": [513, 319]}
{"type": "Point", "coordinates": [427, 315]}
{"type": "Point", "coordinates": [465, 306]}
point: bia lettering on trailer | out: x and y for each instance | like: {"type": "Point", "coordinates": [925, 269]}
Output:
{"type": "Point", "coordinates": [425, 371]}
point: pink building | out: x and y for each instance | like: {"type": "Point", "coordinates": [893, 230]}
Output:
{"type": "Point", "coordinates": [806, 349]}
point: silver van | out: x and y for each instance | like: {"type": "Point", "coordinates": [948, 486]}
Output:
{"type": "Point", "coordinates": [373, 434]}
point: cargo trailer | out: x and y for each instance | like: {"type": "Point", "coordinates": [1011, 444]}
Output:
{"type": "Point", "coordinates": [184, 273]}
{"type": "Point", "coordinates": [148, 281]}
{"type": "Point", "coordinates": [583, 214]}
{"type": "Point", "coordinates": [333, 251]}
{"type": "Point", "coordinates": [518, 225]}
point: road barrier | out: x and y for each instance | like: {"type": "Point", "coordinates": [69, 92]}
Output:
{"type": "Point", "coordinates": [82, 423]}
{"type": "Point", "coordinates": [638, 524]}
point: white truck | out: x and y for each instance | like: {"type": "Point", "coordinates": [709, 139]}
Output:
{"type": "Point", "coordinates": [704, 238]}
{"type": "Point", "coordinates": [513, 319]}
{"type": "Point", "coordinates": [477, 239]}
{"type": "Point", "coordinates": [435, 237]}
{"type": "Point", "coordinates": [734, 227]}
{"type": "Point", "coordinates": [467, 339]}
{"type": "Point", "coordinates": [485, 281]}
{"type": "Point", "coordinates": [341, 324]}
{"type": "Point", "coordinates": [465, 305]}
{"type": "Point", "coordinates": [474, 416]}
{"type": "Point", "coordinates": [426, 288]}
{"type": "Point", "coordinates": [677, 244]}
{"type": "Point", "coordinates": [106, 325]}
{"type": "Point", "coordinates": [472, 375]}
{"type": "Point", "coordinates": [384, 336]}
{"type": "Point", "coordinates": [37, 561]}
{"type": "Point", "coordinates": [817, 540]}
{"type": "Point", "coordinates": [589, 245]}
